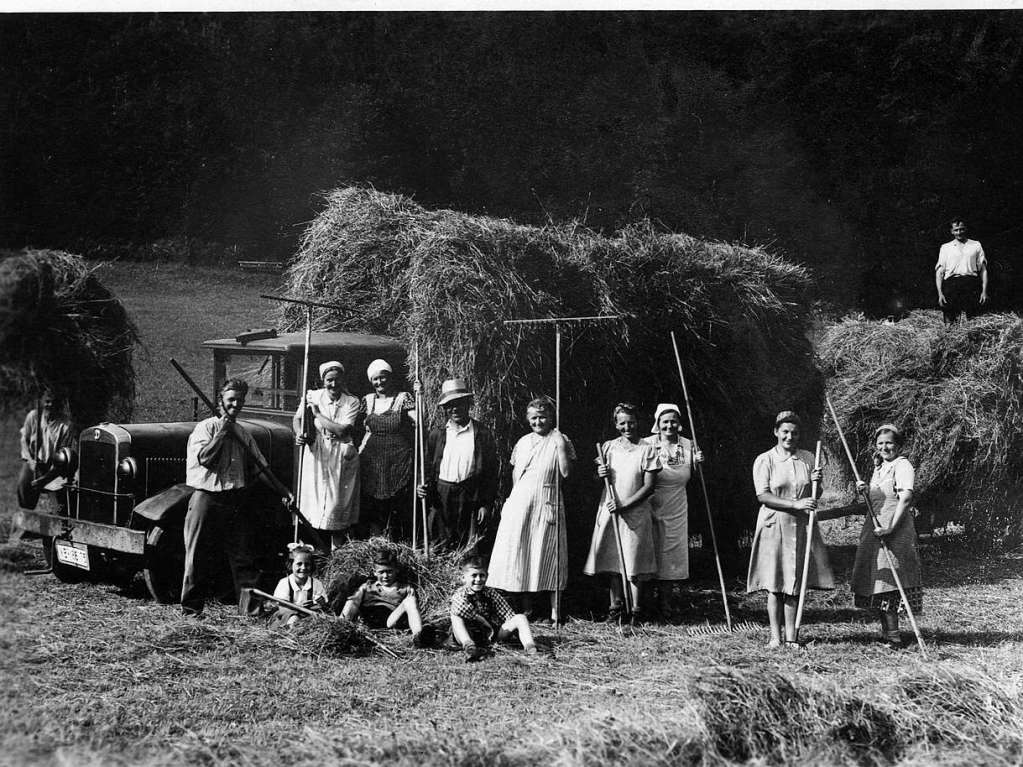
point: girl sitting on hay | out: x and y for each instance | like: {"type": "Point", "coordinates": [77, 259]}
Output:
{"type": "Point", "coordinates": [300, 586]}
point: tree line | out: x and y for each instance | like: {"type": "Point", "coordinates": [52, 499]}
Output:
{"type": "Point", "coordinates": [842, 139]}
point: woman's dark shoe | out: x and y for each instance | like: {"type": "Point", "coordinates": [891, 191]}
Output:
{"type": "Point", "coordinates": [893, 640]}
{"type": "Point", "coordinates": [617, 613]}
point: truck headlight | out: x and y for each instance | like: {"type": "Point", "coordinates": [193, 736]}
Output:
{"type": "Point", "coordinates": [127, 469]}
{"type": "Point", "coordinates": [65, 461]}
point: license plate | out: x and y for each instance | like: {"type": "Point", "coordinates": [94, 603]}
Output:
{"type": "Point", "coordinates": [74, 554]}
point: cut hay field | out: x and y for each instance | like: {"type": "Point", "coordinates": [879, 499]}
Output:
{"type": "Point", "coordinates": [94, 674]}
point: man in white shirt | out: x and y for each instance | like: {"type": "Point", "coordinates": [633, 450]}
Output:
{"type": "Point", "coordinates": [222, 459]}
{"type": "Point", "coordinates": [961, 275]}
{"type": "Point", "coordinates": [461, 472]}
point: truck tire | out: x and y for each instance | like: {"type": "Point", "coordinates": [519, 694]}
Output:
{"type": "Point", "coordinates": [164, 564]}
{"type": "Point", "coordinates": [63, 573]}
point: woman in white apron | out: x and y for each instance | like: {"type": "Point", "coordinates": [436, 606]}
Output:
{"type": "Point", "coordinates": [329, 497]}
{"type": "Point", "coordinates": [670, 505]}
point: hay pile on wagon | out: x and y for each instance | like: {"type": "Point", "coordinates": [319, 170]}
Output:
{"type": "Point", "coordinates": [444, 282]}
{"type": "Point", "coordinates": [956, 393]}
{"type": "Point", "coordinates": [61, 328]}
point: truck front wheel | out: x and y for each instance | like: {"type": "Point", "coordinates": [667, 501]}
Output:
{"type": "Point", "coordinates": [165, 564]}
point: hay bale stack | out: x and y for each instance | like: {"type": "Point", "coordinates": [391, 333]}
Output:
{"type": "Point", "coordinates": [445, 281]}
{"type": "Point", "coordinates": [61, 328]}
{"type": "Point", "coordinates": [958, 396]}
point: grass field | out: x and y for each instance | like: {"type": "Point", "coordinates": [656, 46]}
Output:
{"type": "Point", "coordinates": [98, 674]}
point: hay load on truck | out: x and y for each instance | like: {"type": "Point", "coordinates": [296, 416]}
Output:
{"type": "Point", "coordinates": [127, 495]}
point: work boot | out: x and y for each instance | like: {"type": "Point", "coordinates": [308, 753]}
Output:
{"type": "Point", "coordinates": [473, 653]}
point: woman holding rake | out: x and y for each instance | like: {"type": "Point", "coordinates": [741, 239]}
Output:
{"type": "Point", "coordinates": [782, 477]}
{"type": "Point", "coordinates": [624, 517]}
{"type": "Point", "coordinates": [670, 505]}
{"type": "Point", "coordinates": [891, 495]}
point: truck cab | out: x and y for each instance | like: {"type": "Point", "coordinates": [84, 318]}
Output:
{"type": "Point", "coordinates": [127, 495]}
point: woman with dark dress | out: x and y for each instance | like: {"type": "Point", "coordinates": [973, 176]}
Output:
{"type": "Point", "coordinates": [891, 496]}
{"type": "Point", "coordinates": [386, 456]}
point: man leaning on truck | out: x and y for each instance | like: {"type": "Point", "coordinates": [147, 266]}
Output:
{"type": "Point", "coordinates": [222, 459]}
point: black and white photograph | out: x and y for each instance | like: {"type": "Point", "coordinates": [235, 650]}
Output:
{"type": "Point", "coordinates": [511, 384]}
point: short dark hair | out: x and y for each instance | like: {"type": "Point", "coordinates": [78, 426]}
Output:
{"type": "Point", "coordinates": [956, 220]}
{"type": "Point", "coordinates": [235, 384]}
{"type": "Point", "coordinates": [385, 558]}
{"type": "Point", "coordinates": [473, 561]}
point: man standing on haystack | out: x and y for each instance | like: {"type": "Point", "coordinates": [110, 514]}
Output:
{"type": "Point", "coordinates": [961, 275]}
{"type": "Point", "coordinates": [461, 473]}
{"type": "Point", "coordinates": [221, 460]}
{"type": "Point", "coordinates": [47, 429]}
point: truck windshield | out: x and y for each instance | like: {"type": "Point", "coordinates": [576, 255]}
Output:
{"type": "Point", "coordinates": [264, 374]}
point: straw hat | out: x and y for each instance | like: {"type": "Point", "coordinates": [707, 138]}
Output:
{"type": "Point", "coordinates": [452, 389]}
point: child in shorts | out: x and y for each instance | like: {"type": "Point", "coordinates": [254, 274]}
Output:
{"type": "Point", "coordinates": [300, 585]}
{"type": "Point", "coordinates": [386, 602]}
{"type": "Point", "coordinates": [481, 615]}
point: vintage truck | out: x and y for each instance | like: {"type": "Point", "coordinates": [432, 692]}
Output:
{"type": "Point", "coordinates": [126, 494]}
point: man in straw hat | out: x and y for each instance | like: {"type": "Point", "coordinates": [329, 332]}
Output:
{"type": "Point", "coordinates": [461, 471]}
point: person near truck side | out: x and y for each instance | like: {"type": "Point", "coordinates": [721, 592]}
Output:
{"type": "Point", "coordinates": [461, 472]}
{"type": "Point", "coordinates": [961, 275]}
{"type": "Point", "coordinates": [222, 459]}
{"type": "Point", "coordinates": [329, 495]}
{"type": "Point", "coordinates": [385, 456]}
{"type": "Point", "coordinates": [46, 430]}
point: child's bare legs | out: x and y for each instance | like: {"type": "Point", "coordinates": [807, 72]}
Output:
{"type": "Point", "coordinates": [781, 611]}
{"type": "Point", "coordinates": [555, 606]}
{"type": "Point", "coordinates": [408, 607]}
{"type": "Point", "coordinates": [520, 623]}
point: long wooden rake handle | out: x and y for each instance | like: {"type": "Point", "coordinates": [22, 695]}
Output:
{"type": "Point", "coordinates": [703, 485]}
{"type": "Point", "coordinates": [618, 535]}
{"type": "Point", "coordinates": [809, 542]}
{"type": "Point", "coordinates": [884, 544]}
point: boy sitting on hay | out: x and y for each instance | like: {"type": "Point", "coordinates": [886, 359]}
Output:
{"type": "Point", "coordinates": [386, 602]}
{"type": "Point", "coordinates": [481, 615]}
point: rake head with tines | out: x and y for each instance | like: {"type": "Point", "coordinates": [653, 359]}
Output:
{"type": "Point", "coordinates": [708, 629]}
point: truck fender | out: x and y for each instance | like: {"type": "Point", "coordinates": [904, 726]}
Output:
{"type": "Point", "coordinates": [167, 507]}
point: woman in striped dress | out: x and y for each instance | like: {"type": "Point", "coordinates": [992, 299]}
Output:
{"type": "Point", "coordinates": [530, 550]}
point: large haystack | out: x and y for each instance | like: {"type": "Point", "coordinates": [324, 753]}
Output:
{"type": "Point", "coordinates": [61, 328]}
{"type": "Point", "coordinates": [957, 394]}
{"type": "Point", "coordinates": [446, 280]}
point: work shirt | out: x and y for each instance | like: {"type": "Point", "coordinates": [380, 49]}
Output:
{"type": "Point", "coordinates": [456, 463]}
{"type": "Point", "coordinates": [960, 259]}
{"type": "Point", "coordinates": [488, 604]}
{"type": "Point", "coordinates": [229, 470]}
{"type": "Point", "coordinates": [54, 434]}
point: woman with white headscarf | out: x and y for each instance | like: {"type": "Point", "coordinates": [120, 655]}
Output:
{"type": "Point", "coordinates": [670, 505]}
{"type": "Point", "coordinates": [329, 495]}
{"type": "Point", "coordinates": [386, 455]}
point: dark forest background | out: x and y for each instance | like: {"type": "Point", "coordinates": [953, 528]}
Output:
{"type": "Point", "coordinates": [842, 139]}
